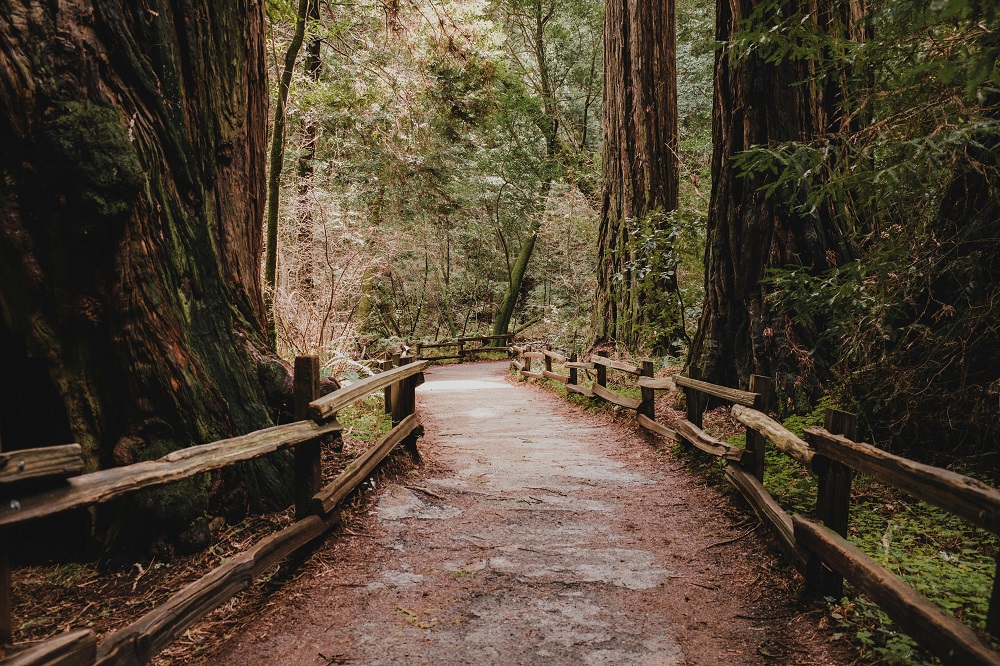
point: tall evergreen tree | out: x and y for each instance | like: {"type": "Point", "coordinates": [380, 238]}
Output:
{"type": "Point", "coordinates": [764, 98]}
{"type": "Point", "coordinates": [640, 169]}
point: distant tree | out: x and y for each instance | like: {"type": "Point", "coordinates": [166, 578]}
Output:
{"type": "Point", "coordinates": [640, 172]}
{"type": "Point", "coordinates": [131, 151]}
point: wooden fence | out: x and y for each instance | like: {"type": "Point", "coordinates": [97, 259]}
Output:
{"type": "Point", "coordinates": [315, 507]}
{"type": "Point", "coordinates": [819, 549]}
{"type": "Point", "coordinates": [462, 348]}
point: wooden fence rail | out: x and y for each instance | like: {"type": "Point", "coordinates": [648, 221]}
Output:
{"type": "Point", "coordinates": [315, 512]}
{"type": "Point", "coordinates": [462, 351]}
{"type": "Point", "coordinates": [820, 551]}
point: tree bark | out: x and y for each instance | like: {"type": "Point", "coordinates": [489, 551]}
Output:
{"type": "Point", "coordinates": [306, 168]}
{"type": "Point", "coordinates": [758, 104]}
{"type": "Point", "coordinates": [640, 172]}
{"type": "Point", "coordinates": [131, 136]}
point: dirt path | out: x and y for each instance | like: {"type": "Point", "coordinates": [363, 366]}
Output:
{"type": "Point", "coordinates": [539, 534]}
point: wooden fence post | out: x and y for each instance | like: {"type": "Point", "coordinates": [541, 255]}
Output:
{"type": "Point", "coordinates": [308, 470]}
{"type": "Point", "coordinates": [402, 396]}
{"type": "Point", "coordinates": [404, 403]}
{"type": "Point", "coordinates": [692, 397]}
{"type": "Point", "coordinates": [833, 503]}
{"type": "Point", "coordinates": [387, 391]}
{"type": "Point", "coordinates": [461, 350]}
{"type": "Point", "coordinates": [548, 359]}
{"type": "Point", "coordinates": [647, 407]}
{"type": "Point", "coordinates": [416, 350]}
{"type": "Point", "coordinates": [572, 371]}
{"type": "Point", "coordinates": [527, 360]}
{"type": "Point", "coordinates": [602, 371]}
{"type": "Point", "coordinates": [756, 442]}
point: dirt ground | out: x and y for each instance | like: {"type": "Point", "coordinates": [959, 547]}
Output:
{"type": "Point", "coordinates": [537, 533]}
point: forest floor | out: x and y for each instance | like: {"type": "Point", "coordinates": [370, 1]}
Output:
{"type": "Point", "coordinates": [534, 532]}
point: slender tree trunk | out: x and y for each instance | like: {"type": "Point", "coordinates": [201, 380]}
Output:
{"type": "Point", "coordinates": [306, 169]}
{"type": "Point", "coordinates": [759, 103]}
{"type": "Point", "coordinates": [276, 162]}
{"type": "Point", "coordinates": [640, 171]}
{"type": "Point", "coordinates": [506, 310]}
{"type": "Point", "coordinates": [131, 183]}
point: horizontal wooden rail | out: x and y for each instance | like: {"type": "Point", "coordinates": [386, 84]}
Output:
{"type": "Point", "coordinates": [767, 510]}
{"type": "Point", "coordinates": [555, 376]}
{"type": "Point", "coordinates": [57, 462]}
{"type": "Point", "coordinates": [580, 390]}
{"type": "Point", "coordinates": [611, 396]}
{"type": "Point", "coordinates": [782, 437]}
{"type": "Point", "coordinates": [484, 338]}
{"type": "Point", "coordinates": [331, 403]}
{"type": "Point", "coordinates": [359, 470]}
{"type": "Point", "coordinates": [745, 398]}
{"type": "Point", "coordinates": [485, 350]}
{"type": "Point", "coordinates": [531, 354]}
{"type": "Point", "coordinates": [532, 375]}
{"type": "Point", "coordinates": [441, 358]}
{"type": "Point", "coordinates": [438, 345]}
{"type": "Point", "coordinates": [146, 637]}
{"type": "Point", "coordinates": [660, 429]}
{"type": "Point", "coordinates": [939, 632]}
{"type": "Point", "coordinates": [580, 365]}
{"type": "Point", "coordinates": [555, 356]}
{"type": "Point", "coordinates": [68, 649]}
{"type": "Point", "coordinates": [657, 383]}
{"type": "Point", "coordinates": [964, 496]}
{"type": "Point", "coordinates": [614, 365]}
{"type": "Point", "coordinates": [700, 439]}
{"type": "Point", "coordinates": [110, 483]}
{"type": "Point", "coordinates": [517, 365]}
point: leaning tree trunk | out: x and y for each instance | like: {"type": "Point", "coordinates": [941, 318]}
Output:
{"type": "Point", "coordinates": [640, 172]}
{"type": "Point", "coordinates": [757, 104]}
{"type": "Point", "coordinates": [131, 142]}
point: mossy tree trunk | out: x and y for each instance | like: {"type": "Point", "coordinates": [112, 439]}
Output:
{"type": "Point", "coordinates": [759, 103]}
{"type": "Point", "coordinates": [635, 278]}
{"type": "Point", "coordinates": [131, 142]}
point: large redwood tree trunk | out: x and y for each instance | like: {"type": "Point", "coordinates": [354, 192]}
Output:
{"type": "Point", "coordinates": [131, 150]}
{"type": "Point", "coordinates": [640, 171]}
{"type": "Point", "coordinates": [759, 104]}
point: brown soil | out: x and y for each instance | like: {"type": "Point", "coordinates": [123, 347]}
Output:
{"type": "Point", "coordinates": [538, 533]}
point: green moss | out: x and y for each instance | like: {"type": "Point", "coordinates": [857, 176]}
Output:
{"type": "Point", "coordinates": [93, 144]}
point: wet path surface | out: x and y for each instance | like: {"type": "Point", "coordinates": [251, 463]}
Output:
{"type": "Point", "coordinates": [538, 534]}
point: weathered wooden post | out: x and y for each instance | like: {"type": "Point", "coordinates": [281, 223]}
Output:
{"type": "Point", "coordinates": [548, 359]}
{"type": "Point", "coordinates": [416, 350]}
{"type": "Point", "coordinates": [833, 503]}
{"type": "Point", "coordinates": [308, 470]}
{"type": "Point", "coordinates": [572, 371]}
{"type": "Point", "coordinates": [647, 407]}
{"type": "Point", "coordinates": [461, 350]}
{"type": "Point", "coordinates": [395, 359]}
{"type": "Point", "coordinates": [602, 370]}
{"type": "Point", "coordinates": [527, 359]}
{"type": "Point", "coordinates": [386, 364]}
{"type": "Point", "coordinates": [692, 397]}
{"type": "Point", "coordinates": [404, 402]}
{"type": "Point", "coordinates": [756, 442]}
